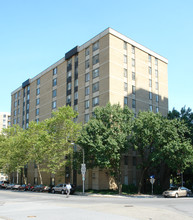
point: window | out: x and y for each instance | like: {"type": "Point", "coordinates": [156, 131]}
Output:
{"type": "Point", "coordinates": [133, 90]}
{"type": "Point", "coordinates": [27, 107]}
{"type": "Point", "coordinates": [37, 101]}
{"type": "Point", "coordinates": [69, 85]}
{"type": "Point", "coordinates": [95, 46]}
{"type": "Point", "coordinates": [87, 64]}
{"type": "Point", "coordinates": [69, 74]}
{"type": "Point", "coordinates": [15, 112]}
{"type": "Point", "coordinates": [126, 160]}
{"type": "Point", "coordinates": [37, 111]}
{"type": "Point", "coordinates": [133, 75]}
{"type": "Point", "coordinates": [75, 95]}
{"type": "Point", "coordinates": [76, 70]}
{"type": "Point", "coordinates": [157, 98]}
{"type": "Point", "coordinates": [156, 73]}
{"type": "Point", "coordinates": [28, 88]}
{"type": "Point", "coordinates": [149, 58]}
{"type": "Point", "coordinates": [87, 51]}
{"type": "Point", "coordinates": [125, 45]}
{"type": "Point", "coordinates": [87, 104]}
{"type": "Point", "coordinates": [149, 70]}
{"type": "Point", "coordinates": [133, 49]}
{"type": "Point", "coordinates": [68, 98]}
{"type": "Point", "coordinates": [37, 91]}
{"type": "Point", "coordinates": [95, 73]}
{"type": "Point", "coordinates": [125, 87]}
{"type": "Point", "coordinates": [134, 161]}
{"type": "Point", "coordinates": [95, 59]}
{"type": "Point", "coordinates": [75, 82]}
{"type": "Point", "coordinates": [53, 104]}
{"type": "Point", "coordinates": [54, 83]}
{"type": "Point", "coordinates": [54, 93]}
{"type": "Point", "coordinates": [87, 77]}
{"type": "Point", "coordinates": [125, 101]}
{"type": "Point", "coordinates": [69, 62]}
{"type": "Point", "coordinates": [55, 71]}
{"type": "Point", "coordinates": [156, 61]}
{"type": "Point", "coordinates": [37, 120]}
{"type": "Point", "coordinates": [76, 108]}
{"type": "Point", "coordinates": [15, 104]}
{"type": "Point", "coordinates": [18, 111]}
{"type": "Point", "coordinates": [38, 82]}
{"type": "Point", "coordinates": [19, 94]}
{"type": "Point", "coordinates": [156, 86]}
{"type": "Point", "coordinates": [76, 59]}
{"type": "Point", "coordinates": [133, 62]}
{"type": "Point", "coordinates": [95, 87]}
{"type": "Point", "coordinates": [125, 73]}
{"type": "Point", "coordinates": [125, 58]}
{"type": "Point", "coordinates": [28, 97]}
{"type": "Point", "coordinates": [86, 118]}
{"type": "Point", "coordinates": [150, 108]}
{"type": "Point", "coordinates": [150, 95]}
{"type": "Point", "coordinates": [133, 103]}
{"type": "Point", "coordinates": [95, 101]}
{"type": "Point", "coordinates": [157, 109]}
{"type": "Point", "coordinates": [87, 91]}
{"type": "Point", "coordinates": [15, 95]}
{"type": "Point", "coordinates": [150, 83]}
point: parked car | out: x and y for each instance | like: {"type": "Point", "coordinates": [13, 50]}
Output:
{"type": "Point", "coordinates": [3, 184]}
{"type": "Point", "coordinates": [39, 188]}
{"type": "Point", "coordinates": [10, 186]}
{"type": "Point", "coordinates": [16, 187]}
{"type": "Point", "coordinates": [61, 188]}
{"type": "Point", "coordinates": [177, 192]}
{"type": "Point", "coordinates": [25, 187]}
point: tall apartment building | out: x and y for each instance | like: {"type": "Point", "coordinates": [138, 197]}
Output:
{"type": "Point", "coordinates": [108, 68]}
{"type": "Point", "coordinates": [5, 120]}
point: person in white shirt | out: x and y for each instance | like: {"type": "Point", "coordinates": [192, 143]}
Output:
{"type": "Point", "coordinates": [68, 187]}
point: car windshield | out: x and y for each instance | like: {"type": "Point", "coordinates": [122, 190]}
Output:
{"type": "Point", "coordinates": [173, 188]}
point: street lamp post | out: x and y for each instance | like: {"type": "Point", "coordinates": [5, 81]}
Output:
{"type": "Point", "coordinates": [83, 171]}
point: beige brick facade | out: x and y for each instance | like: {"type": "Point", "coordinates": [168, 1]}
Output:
{"type": "Point", "coordinates": [108, 68]}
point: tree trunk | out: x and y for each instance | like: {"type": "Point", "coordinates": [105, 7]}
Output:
{"type": "Point", "coordinates": [141, 180]}
{"type": "Point", "coordinates": [39, 173]}
{"type": "Point", "coordinates": [165, 177]}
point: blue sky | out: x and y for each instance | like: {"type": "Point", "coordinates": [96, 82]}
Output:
{"type": "Point", "coordinates": [35, 34]}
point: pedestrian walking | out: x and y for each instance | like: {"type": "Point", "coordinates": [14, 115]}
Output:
{"type": "Point", "coordinates": [68, 187]}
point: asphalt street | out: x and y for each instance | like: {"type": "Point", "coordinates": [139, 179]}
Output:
{"type": "Point", "coordinates": [39, 206]}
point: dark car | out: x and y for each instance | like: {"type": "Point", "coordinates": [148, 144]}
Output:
{"type": "Point", "coordinates": [26, 187]}
{"type": "Point", "coordinates": [61, 188]}
{"type": "Point", "coordinates": [39, 188]}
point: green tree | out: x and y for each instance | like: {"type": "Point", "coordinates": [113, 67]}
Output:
{"type": "Point", "coordinates": [63, 132]}
{"type": "Point", "coordinates": [146, 133]}
{"type": "Point", "coordinates": [36, 143]}
{"type": "Point", "coordinates": [105, 138]}
{"type": "Point", "coordinates": [12, 150]}
{"type": "Point", "coordinates": [160, 141]}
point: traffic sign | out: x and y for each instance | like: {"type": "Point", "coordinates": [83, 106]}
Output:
{"type": "Point", "coordinates": [83, 168]}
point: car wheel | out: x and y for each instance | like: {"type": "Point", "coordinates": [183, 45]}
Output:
{"type": "Point", "coordinates": [53, 191]}
{"type": "Point", "coordinates": [62, 192]}
{"type": "Point", "coordinates": [188, 195]}
{"type": "Point", "coordinates": [176, 196]}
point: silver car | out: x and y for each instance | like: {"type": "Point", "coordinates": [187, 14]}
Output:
{"type": "Point", "coordinates": [177, 192]}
